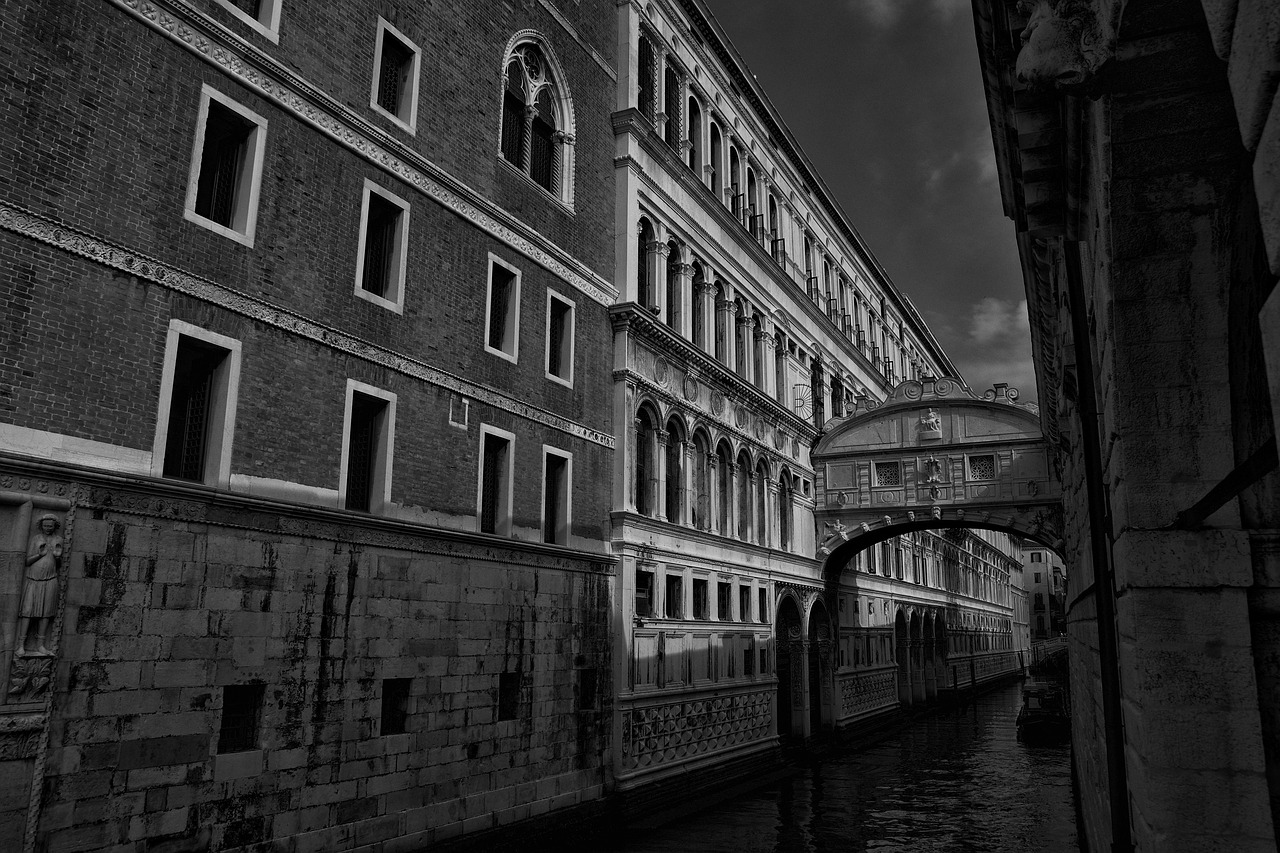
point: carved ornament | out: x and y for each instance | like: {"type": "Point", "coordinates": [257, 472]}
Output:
{"type": "Point", "coordinates": [1066, 42]}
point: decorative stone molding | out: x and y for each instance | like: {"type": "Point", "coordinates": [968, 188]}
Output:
{"type": "Point", "coordinates": [1066, 42]}
{"type": "Point", "coordinates": [659, 734]}
{"type": "Point", "coordinates": [137, 264]}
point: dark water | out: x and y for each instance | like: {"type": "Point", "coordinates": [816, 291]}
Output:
{"type": "Point", "coordinates": [949, 782]}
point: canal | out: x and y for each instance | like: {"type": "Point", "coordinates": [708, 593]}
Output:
{"type": "Point", "coordinates": [949, 782]}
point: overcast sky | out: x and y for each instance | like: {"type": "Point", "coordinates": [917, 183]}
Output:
{"type": "Point", "coordinates": [885, 98]}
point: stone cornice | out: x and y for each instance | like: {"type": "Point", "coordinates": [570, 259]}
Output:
{"type": "Point", "coordinates": [251, 67]}
{"type": "Point", "coordinates": [142, 266]}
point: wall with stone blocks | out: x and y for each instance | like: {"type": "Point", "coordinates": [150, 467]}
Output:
{"type": "Point", "coordinates": [171, 597]}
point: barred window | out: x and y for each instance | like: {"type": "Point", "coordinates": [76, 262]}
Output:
{"type": "Point", "coordinates": [982, 467]}
{"type": "Point", "coordinates": [535, 133]}
{"type": "Point", "coordinates": [888, 473]}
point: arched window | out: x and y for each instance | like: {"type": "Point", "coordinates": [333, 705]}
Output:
{"type": "Point", "coordinates": [749, 215]}
{"type": "Point", "coordinates": [762, 502]}
{"type": "Point", "coordinates": [535, 124]}
{"type": "Point", "coordinates": [671, 106]}
{"type": "Point", "coordinates": [780, 367]}
{"type": "Point", "coordinates": [702, 483]}
{"type": "Point", "coordinates": [732, 180]}
{"type": "Point", "coordinates": [716, 165]}
{"type": "Point", "coordinates": [674, 301]}
{"type": "Point", "coordinates": [744, 497]}
{"type": "Point", "coordinates": [695, 138]}
{"type": "Point", "coordinates": [722, 326]}
{"type": "Point", "coordinates": [723, 463]}
{"type": "Point", "coordinates": [643, 296]}
{"type": "Point", "coordinates": [757, 349]}
{"type": "Point", "coordinates": [784, 511]}
{"type": "Point", "coordinates": [674, 463]}
{"type": "Point", "coordinates": [645, 475]}
{"type": "Point", "coordinates": [699, 312]}
{"type": "Point", "coordinates": [743, 321]}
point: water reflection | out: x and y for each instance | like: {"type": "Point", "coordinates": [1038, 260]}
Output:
{"type": "Point", "coordinates": [949, 783]}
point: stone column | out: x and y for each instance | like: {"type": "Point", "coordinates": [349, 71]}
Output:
{"type": "Point", "coordinates": [917, 672]}
{"type": "Point", "coordinates": [731, 517]}
{"type": "Point", "coordinates": [684, 286]}
{"type": "Point", "coordinates": [634, 485]}
{"type": "Point", "coordinates": [750, 517]}
{"type": "Point", "coordinates": [800, 698]}
{"type": "Point", "coordinates": [687, 474]}
{"type": "Point", "coordinates": [713, 486]}
{"type": "Point", "coordinates": [729, 311]}
{"type": "Point", "coordinates": [658, 252]}
{"type": "Point", "coordinates": [773, 510]}
{"type": "Point", "coordinates": [660, 470]}
{"type": "Point", "coordinates": [769, 363]}
{"type": "Point", "coordinates": [706, 296]}
{"type": "Point", "coordinates": [745, 325]}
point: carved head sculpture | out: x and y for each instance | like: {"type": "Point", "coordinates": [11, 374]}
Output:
{"type": "Point", "coordinates": [48, 524]}
{"type": "Point", "coordinates": [1065, 42]}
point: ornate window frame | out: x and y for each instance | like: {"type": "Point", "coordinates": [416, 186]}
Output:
{"type": "Point", "coordinates": [552, 76]}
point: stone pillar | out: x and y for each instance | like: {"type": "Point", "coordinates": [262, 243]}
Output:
{"type": "Point", "coordinates": [772, 511]}
{"type": "Point", "coordinates": [684, 311]}
{"type": "Point", "coordinates": [634, 485]}
{"type": "Point", "coordinates": [800, 698]}
{"type": "Point", "coordinates": [731, 518]}
{"type": "Point", "coordinates": [658, 253]}
{"type": "Point", "coordinates": [687, 474]}
{"type": "Point", "coordinates": [917, 672]}
{"type": "Point", "coordinates": [706, 296]}
{"type": "Point", "coordinates": [749, 477]}
{"type": "Point", "coordinates": [729, 311]}
{"type": "Point", "coordinates": [660, 471]}
{"type": "Point", "coordinates": [826, 683]}
{"type": "Point", "coordinates": [745, 325]}
{"type": "Point", "coordinates": [713, 486]}
{"type": "Point", "coordinates": [769, 362]}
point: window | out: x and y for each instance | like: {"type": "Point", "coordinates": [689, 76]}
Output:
{"type": "Point", "coordinates": [1037, 556]}
{"type": "Point", "coordinates": [226, 167]}
{"type": "Point", "coordinates": [744, 604]}
{"type": "Point", "coordinates": [241, 717]}
{"type": "Point", "coordinates": [383, 248]}
{"type": "Point", "coordinates": [395, 77]}
{"type": "Point", "coordinates": [496, 468]}
{"type": "Point", "coordinates": [982, 467]}
{"type": "Point", "coordinates": [748, 656]}
{"type": "Point", "coordinates": [673, 84]}
{"type": "Point", "coordinates": [888, 474]}
{"type": "Point", "coordinates": [535, 120]}
{"type": "Point", "coordinates": [263, 16]}
{"type": "Point", "coordinates": [763, 614]}
{"type": "Point", "coordinates": [644, 593]}
{"type": "Point", "coordinates": [502, 311]}
{"type": "Point", "coordinates": [675, 597]}
{"type": "Point", "coordinates": [645, 475]}
{"type": "Point", "coordinates": [395, 705]}
{"type": "Point", "coordinates": [1037, 574]}
{"type": "Point", "coordinates": [587, 690]}
{"type": "Point", "coordinates": [557, 474]}
{"type": "Point", "coordinates": [367, 437]}
{"type": "Point", "coordinates": [724, 601]}
{"type": "Point", "coordinates": [196, 418]}
{"type": "Point", "coordinates": [508, 695]}
{"type": "Point", "coordinates": [646, 78]}
{"type": "Point", "coordinates": [701, 604]}
{"type": "Point", "coordinates": [560, 314]}
{"type": "Point", "coordinates": [695, 138]}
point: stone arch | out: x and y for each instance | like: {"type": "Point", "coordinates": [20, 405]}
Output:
{"type": "Point", "coordinates": [646, 234]}
{"type": "Point", "coordinates": [788, 659]}
{"type": "Point", "coordinates": [645, 461]}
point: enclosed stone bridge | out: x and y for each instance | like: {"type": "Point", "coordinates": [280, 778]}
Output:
{"type": "Point", "coordinates": [933, 455]}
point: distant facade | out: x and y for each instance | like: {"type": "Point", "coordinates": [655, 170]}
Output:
{"type": "Point", "coordinates": [304, 455]}
{"type": "Point", "coordinates": [1045, 580]}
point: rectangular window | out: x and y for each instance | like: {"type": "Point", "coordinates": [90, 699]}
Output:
{"type": "Point", "coordinates": [395, 705]}
{"type": "Point", "coordinates": [888, 473]}
{"type": "Point", "coordinates": [196, 419]}
{"type": "Point", "coordinates": [982, 467]}
{"type": "Point", "coordinates": [701, 604]}
{"type": "Point", "coordinates": [587, 690]}
{"type": "Point", "coordinates": [748, 656]}
{"type": "Point", "coordinates": [508, 695]}
{"type": "Point", "coordinates": [675, 597]}
{"type": "Point", "coordinates": [763, 615]}
{"type": "Point", "coordinates": [368, 436]}
{"type": "Point", "coordinates": [724, 601]}
{"type": "Point", "coordinates": [382, 252]}
{"type": "Point", "coordinates": [496, 473]}
{"type": "Point", "coordinates": [744, 604]}
{"type": "Point", "coordinates": [263, 16]}
{"type": "Point", "coordinates": [395, 77]}
{"type": "Point", "coordinates": [560, 313]}
{"type": "Point", "coordinates": [1037, 577]}
{"type": "Point", "coordinates": [764, 660]}
{"type": "Point", "coordinates": [502, 313]}
{"type": "Point", "coordinates": [226, 167]}
{"type": "Point", "coordinates": [646, 78]}
{"type": "Point", "coordinates": [241, 717]}
{"type": "Point", "coordinates": [557, 474]}
{"type": "Point", "coordinates": [1037, 557]}
{"type": "Point", "coordinates": [644, 593]}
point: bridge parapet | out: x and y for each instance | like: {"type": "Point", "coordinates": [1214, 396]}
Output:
{"type": "Point", "coordinates": [934, 454]}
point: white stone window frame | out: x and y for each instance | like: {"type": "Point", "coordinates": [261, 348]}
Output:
{"type": "Point", "coordinates": [409, 98]}
{"type": "Point", "coordinates": [380, 487]}
{"type": "Point", "coordinates": [400, 255]}
{"type": "Point", "coordinates": [513, 310]}
{"type": "Point", "coordinates": [506, 505]}
{"type": "Point", "coordinates": [553, 297]}
{"type": "Point", "coordinates": [565, 117]}
{"type": "Point", "coordinates": [226, 393]}
{"type": "Point", "coordinates": [250, 179]}
{"type": "Point", "coordinates": [566, 522]}
{"type": "Point", "coordinates": [968, 467]}
{"type": "Point", "coordinates": [267, 24]}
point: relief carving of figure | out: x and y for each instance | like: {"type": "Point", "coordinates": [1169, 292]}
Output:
{"type": "Point", "coordinates": [1065, 42]}
{"type": "Point", "coordinates": [930, 425]}
{"type": "Point", "coordinates": [40, 592]}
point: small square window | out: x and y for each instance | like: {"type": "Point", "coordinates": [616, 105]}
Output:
{"type": "Point", "coordinates": [241, 717]}
{"type": "Point", "coordinates": [226, 167]}
{"type": "Point", "coordinates": [557, 468]}
{"type": "Point", "coordinates": [381, 255]}
{"type": "Point", "coordinates": [502, 312]}
{"type": "Point", "coordinates": [508, 695]}
{"type": "Point", "coordinates": [198, 391]}
{"type": "Point", "coordinates": [982, 467]}
{"type": "Point", "coordinates": [560, 313]}
{"type": "Point", "coordinates": [675, 597]}
{"type": "Point", "coordinates": [395, 705]}
{"type": "Point", "coordinates": [724, 601]}
{"type": "Point", "coordinates": [644, 593]}
{"type": "Point", "coordinates": [263, 16]}
{"type": "Point", "coordinates": [701, 604]}
{"type": "Point", "coordinates": [395, 77]}
{"type": "Point", "coordinates": [369, 433]}
{"type": "Point", "coordinates": [888, 473]}
{"type": "Point", "coordinates": [496, 471]}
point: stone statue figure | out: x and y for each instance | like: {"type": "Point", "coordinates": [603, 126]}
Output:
{"type": "Point", "coordinates": [930, 425]}
{"type": "Point", "coordinates": [40, 593]}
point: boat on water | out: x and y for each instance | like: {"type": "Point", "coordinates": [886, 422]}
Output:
{"type": "Point", "coordinates": [1045, 716]}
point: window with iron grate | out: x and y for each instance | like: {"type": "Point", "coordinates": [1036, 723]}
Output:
{"type": "Point", "coordinates": [888, 473]}
{"type": "Point", "coordinates": [395, 76]}
{"type": "Point", "coordinates": [982, 467]}
{"type": "Point", "coordinates": [226, 168]}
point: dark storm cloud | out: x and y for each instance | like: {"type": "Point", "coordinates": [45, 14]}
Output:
{"type": "Point", "coordinates": [885, 97]}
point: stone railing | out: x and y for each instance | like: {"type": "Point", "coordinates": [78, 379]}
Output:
{"type": "Point", "coordinates": [654, 735]}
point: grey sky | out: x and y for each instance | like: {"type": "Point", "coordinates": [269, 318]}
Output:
{"type": "Point", "coordinates": [885, 97]}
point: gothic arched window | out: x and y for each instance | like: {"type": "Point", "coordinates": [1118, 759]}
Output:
{"type": "Point", "coordinates": [536, 136]}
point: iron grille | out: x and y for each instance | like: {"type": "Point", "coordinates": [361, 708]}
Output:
{"type": "Point", "coordinates": [379, 245]}
{"type": "Point", "coordinates": [888, 474]}
{"type": "Point", "coordinates": [189, 410]}
{"type": "Point", "coordinates": [392, 74]}
{"type": "Point", "coordinates": [982, 467]}
{"type": "Point", "coordinates": [495, 452]}
{"type": "Point", "coordinates": [360, 451]}
{"type": "Point", "coordinates": [220, 164]}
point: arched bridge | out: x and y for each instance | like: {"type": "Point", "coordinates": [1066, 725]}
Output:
{"type": "Point", "coordinates": [934, 454]}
